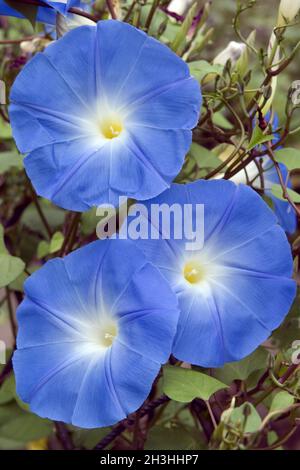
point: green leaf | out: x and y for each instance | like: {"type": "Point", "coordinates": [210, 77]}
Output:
{"type": "Point", "coordinates": [54, 215]}
{"type": "Point", "coordinates": [241, 370]}
{"type": "Point", "coordinates": [289, 157]}
{"type": "Point", "coordinates": [244, 417]}
{"type": "Point", "coordinates": [5, 131]}
{"type": "Point", "coordinates": [7, 390]}
{"type": "Point", "coordinates": [281, 401]}
{"type": "Point", "coordinates": [203, 157]}
{"type": "Point", "coordinates": [56, 242]}
{"type": "Point", "coordinates": [170, 32]}
{"type": "Point", "coordinates": [87, 438]}
{"type": "Point", "coordinates": [17, 427]}
{"type": "Point", "coordinates": [89, 221]}
{"type": "Point", "coordinates": [201, 68]}
{"type": "Point", "coordinates": [43, 249]}
{"type": "Point", "coordinates": [184, 385]}
{"type": "Point", "coordinates": [179, 42]}
{"type": "Point", "coordinates": [10, 444]}
{"type": "Point", "coordinates": [258, 137]}
{"type": "Point", "coordinates": [272, 437]}
{"type": "Point", "coordinates": [25, 428]}
{"type": "Point", "coordinates": [221, 121]}
{"type": "Point", "coordinates": [159, 19]}
{"type": "Point", "coordinates": [10, 160]}
{"type": "Point", "coordinates": [3, 249]}
{"type": "Point", "coordinates": [18, 283]}
{"type": "Point", "coordinates": [277, 192]}
{"type": "Point", "coordinates": [4, 315]}
{"type": "Point", "coordinates": [11, 268]}
{"type": "Point", "coordinates": [171, 438]}
{"type": "Point", "coordinates": [288, 332]}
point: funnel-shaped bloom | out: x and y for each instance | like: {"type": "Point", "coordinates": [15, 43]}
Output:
{"type": "Point", "coordinates": [94, 329]}
{"type": "Point", "coordinates": [105, 111]}
{"type": "Point", "coordinates": [236, 289]}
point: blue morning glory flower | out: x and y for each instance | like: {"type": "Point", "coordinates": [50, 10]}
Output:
{"type": "Point", "coordinates": [105, 111]}
{"type": "Point", "coordinates": [237, 288]}
{"type": "Point", "coordinates": [252, 173]}
{"type": "Point", "coordinates": [94, 329]}
{"type": "Point", "coordinates": [44, 14]}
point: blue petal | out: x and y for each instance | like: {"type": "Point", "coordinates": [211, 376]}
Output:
{"type": "Point", "coordinates": [248, 288]}
{"type": "Point", "coordinates": [132, 174]}
{"type": "Point", "coordinates": [264, 253]}
{"type": "Point", "coordinates": [63, 369]}
{"type": "Point", "coordinates": [217, 202]}
{"type": "Point", "coordinates": [136, 67]}
{"type": "Point", "coordinates": [50, 289]}
{"type": "Point", "coordinates": [98, 403]}
{"type": "Point", "coordinates": [77, 72]}
{"type": "Point", "coordinates": [48, 377]}
{"type": "Point", "coordinates": [137, 168]}
{"type": "Point", "coordinates": [55, 110]}
{"type": "Point", "coordinates": [240, 333]}
{"type": "Point", "coordinates": [199, 339]}
{"type": "Point", "coordinates": [149, 331]}
{"type": "Point", "coordinates": [246, 217]}
{"type": "Point", "coordinates": [167, 108]}
{"type": "Point", "coordinates": [112, 66]}
{"type": "Point", "coordinates": [39, 326]}
{"type": "Point", "coordinates": [156, 142]}
{"type": "Point", "coordinates": [69, 167]}
{"type": "Point", "coordinates": [134, 386]}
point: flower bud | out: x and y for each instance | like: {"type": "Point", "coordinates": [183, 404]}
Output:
{"type": "Point", "coordinates": [180, 6]}
{"type": "Point", "coordinates": [28, 47]}
{"type": "Point", "coordinates": [34, 45]}
{"type": "Point", "coordinates": [288, 10]}
{"type": "Point", "coordinates": [232, 52]}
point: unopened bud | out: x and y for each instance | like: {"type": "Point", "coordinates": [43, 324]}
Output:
{"type": "Point", "coordinates": [288, 10]}
{"type": "Point", "coordinates": [28, 47]}
{"type": "Point", "coordinates": [180, 6]}
{"type": "Point", "coordinates": [37, 44]}
{"type": "Point", "coordinates": [233, 52]}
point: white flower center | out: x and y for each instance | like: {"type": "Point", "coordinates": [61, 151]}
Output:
{"type": "Point", "coordinates": [104, 124]}
{"type": "Point", "coordinates": [100, 334]}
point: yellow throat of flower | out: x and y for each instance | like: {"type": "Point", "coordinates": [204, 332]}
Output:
{"type": "Point", "coordinates": [193, 272]}
{"type": "Point", "coordinates": [111, 127]}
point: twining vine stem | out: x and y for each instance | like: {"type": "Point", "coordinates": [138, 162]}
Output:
{"type": "Point", "coordinates": [123, 425]}
{"type": "Point", "coordinates": [63, 435]}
